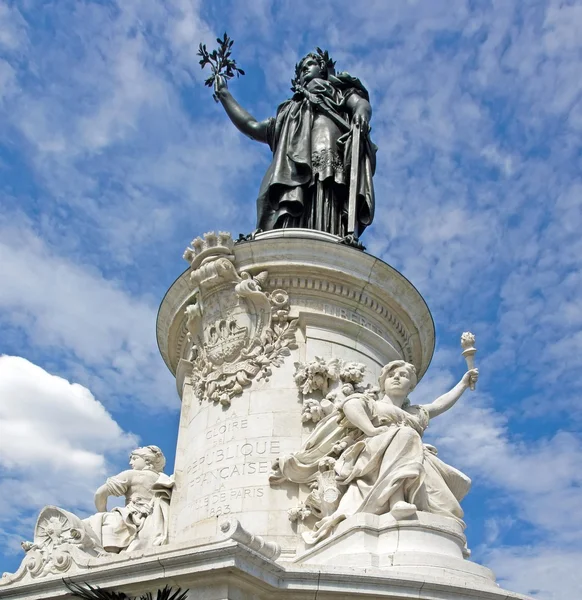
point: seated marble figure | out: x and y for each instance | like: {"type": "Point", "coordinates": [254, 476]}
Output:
{"type": "Point", "coordinates": [61, 538]}
{"type": "Point", "coordinates": [143, 521]}
{"type": "Point", "coordinates": [374, 448]}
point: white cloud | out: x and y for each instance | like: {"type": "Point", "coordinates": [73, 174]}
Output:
{"type": "Point", "coordinates": [544, 573]}
{"type": "Point", "coordinates": [104, 333]}
{"type": "Point", "coordinates": [51, 423]}
{"type": "Point", "coordinates": [56, 441]}
{"type": "Point", "coordinates": [535, 476]}
{"type": "Point", "coordinates": [117, 150]}
{"type": "Point", "coordinates": [536, 486]}
{"type": "Point", "coordinates": [12, 29]}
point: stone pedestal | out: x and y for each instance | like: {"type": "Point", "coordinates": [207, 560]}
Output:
{"type": "Point", "coordinates": [343, 304]}
{"type": "Point", "coordinates": [257, 334]}
{"type": "Point", "coordinates": [228, 569]}
{"type": "Point", "coordinates": [429, 544]}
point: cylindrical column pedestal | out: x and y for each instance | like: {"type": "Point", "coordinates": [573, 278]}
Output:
{"type": "Point", "coordinates": [236, 328]}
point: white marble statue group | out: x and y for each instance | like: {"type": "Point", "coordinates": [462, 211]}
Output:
{"type": "Point", "coordinates": [366, 455]}
{"type": "Point", "coordinates": [62, 538]}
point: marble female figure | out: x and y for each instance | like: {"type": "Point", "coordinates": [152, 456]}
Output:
{"type": "Point", "coordinates": [307, 183]}
{"type": "Point", "coordinates": [143, 521]}
{"type": "Point", "coordinates": [385, 466]}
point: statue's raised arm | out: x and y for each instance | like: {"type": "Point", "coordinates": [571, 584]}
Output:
{"type": "Point", "coordinates": [449, 399]}
{"type": "Point", "coordinates": [312, 138]}
{"type": "Point", "coordinates": [242, 120]}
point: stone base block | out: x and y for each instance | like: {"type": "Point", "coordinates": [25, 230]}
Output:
{"type": "Point", "coordinates": [426, 543]}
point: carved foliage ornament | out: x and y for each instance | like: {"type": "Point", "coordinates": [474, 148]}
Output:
{"type": "Point", "coordinates": [237, 331]}
{"type": "Point", "coordinates": [322, 383]}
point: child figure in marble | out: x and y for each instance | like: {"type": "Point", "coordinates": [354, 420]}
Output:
{"type": "Point", "coordinates": [383, 465]}
{"type": "Point", "coordinates": [143, 521]}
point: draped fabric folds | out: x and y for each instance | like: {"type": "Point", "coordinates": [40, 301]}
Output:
{"type": "Point", "coordinates": [373, 468]}
{"type": "Point", "coordinates": [143, 521]}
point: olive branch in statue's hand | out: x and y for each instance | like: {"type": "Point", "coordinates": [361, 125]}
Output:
{"type": "Point", "coordinates": [220, 62]}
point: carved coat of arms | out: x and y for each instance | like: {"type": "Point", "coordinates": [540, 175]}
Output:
{"type": "Point", "coordinates": [237, 331]}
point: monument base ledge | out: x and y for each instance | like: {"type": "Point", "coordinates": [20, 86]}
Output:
{"type": "Point", "coordinates": [227, 569]}
{"type": "Point", "coordinates": [429, 544]}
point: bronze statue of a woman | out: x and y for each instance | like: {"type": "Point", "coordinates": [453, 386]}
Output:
{"type": "Point", "coordinates": [308, 182]}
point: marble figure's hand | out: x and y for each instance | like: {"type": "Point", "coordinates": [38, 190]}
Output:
{"type": "Point", "coordinates": [470, 377]}
{"type": "Point", "coordinates": [380, 430]}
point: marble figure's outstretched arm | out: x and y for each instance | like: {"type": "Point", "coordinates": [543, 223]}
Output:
{"type": "Point", "coordinates": [242, 120]}
{"type": "Point", "coordinates": [446, 401]}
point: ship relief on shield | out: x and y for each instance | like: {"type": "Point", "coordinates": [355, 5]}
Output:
{"type": "Point", "coordinates": [237, 332]}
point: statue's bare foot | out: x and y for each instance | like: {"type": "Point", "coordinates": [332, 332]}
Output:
{"type": "Point", "coordinates": [402, 510]}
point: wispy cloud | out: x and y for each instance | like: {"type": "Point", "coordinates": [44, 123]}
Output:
{"type": "Point", "coordinates": [104, 334]}
{"type": "Point", "coordinates": [542, 572]}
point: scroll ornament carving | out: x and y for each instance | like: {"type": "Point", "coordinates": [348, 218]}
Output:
{"type": "Point", "coordinates": [238, 332]}
{"type": "Point", "coordinates": [61, 539]}
{"type": "Point", "coordinates": [325, 494]}
{"type": "Point", "coordinates": [231, 529]}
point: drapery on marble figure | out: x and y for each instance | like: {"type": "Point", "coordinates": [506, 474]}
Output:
{"type": "Point", "coordinates": [143, 521]}
{"type": "Point", "coordinates": [307, 183]}
{"type": "Point", "coordinates": [383, 465]}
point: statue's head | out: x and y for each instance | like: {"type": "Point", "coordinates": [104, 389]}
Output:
{"type": "Point", "coordinates": [315, 65]}
{"type": "Point", "coordinates": [398, 377]}
{"type": "Point", "coordinates": [148, 458]}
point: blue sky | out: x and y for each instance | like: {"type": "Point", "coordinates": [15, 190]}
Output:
{"type": "Point", "coordinates": [113, 156]}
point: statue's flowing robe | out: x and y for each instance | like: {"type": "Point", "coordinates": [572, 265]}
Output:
{"type": "Point", "coordinates": [143, 521]}
{"type": "Point", "coordinates": [307, 183]}
{"type": "Point", "coordinates": [372, 469]}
